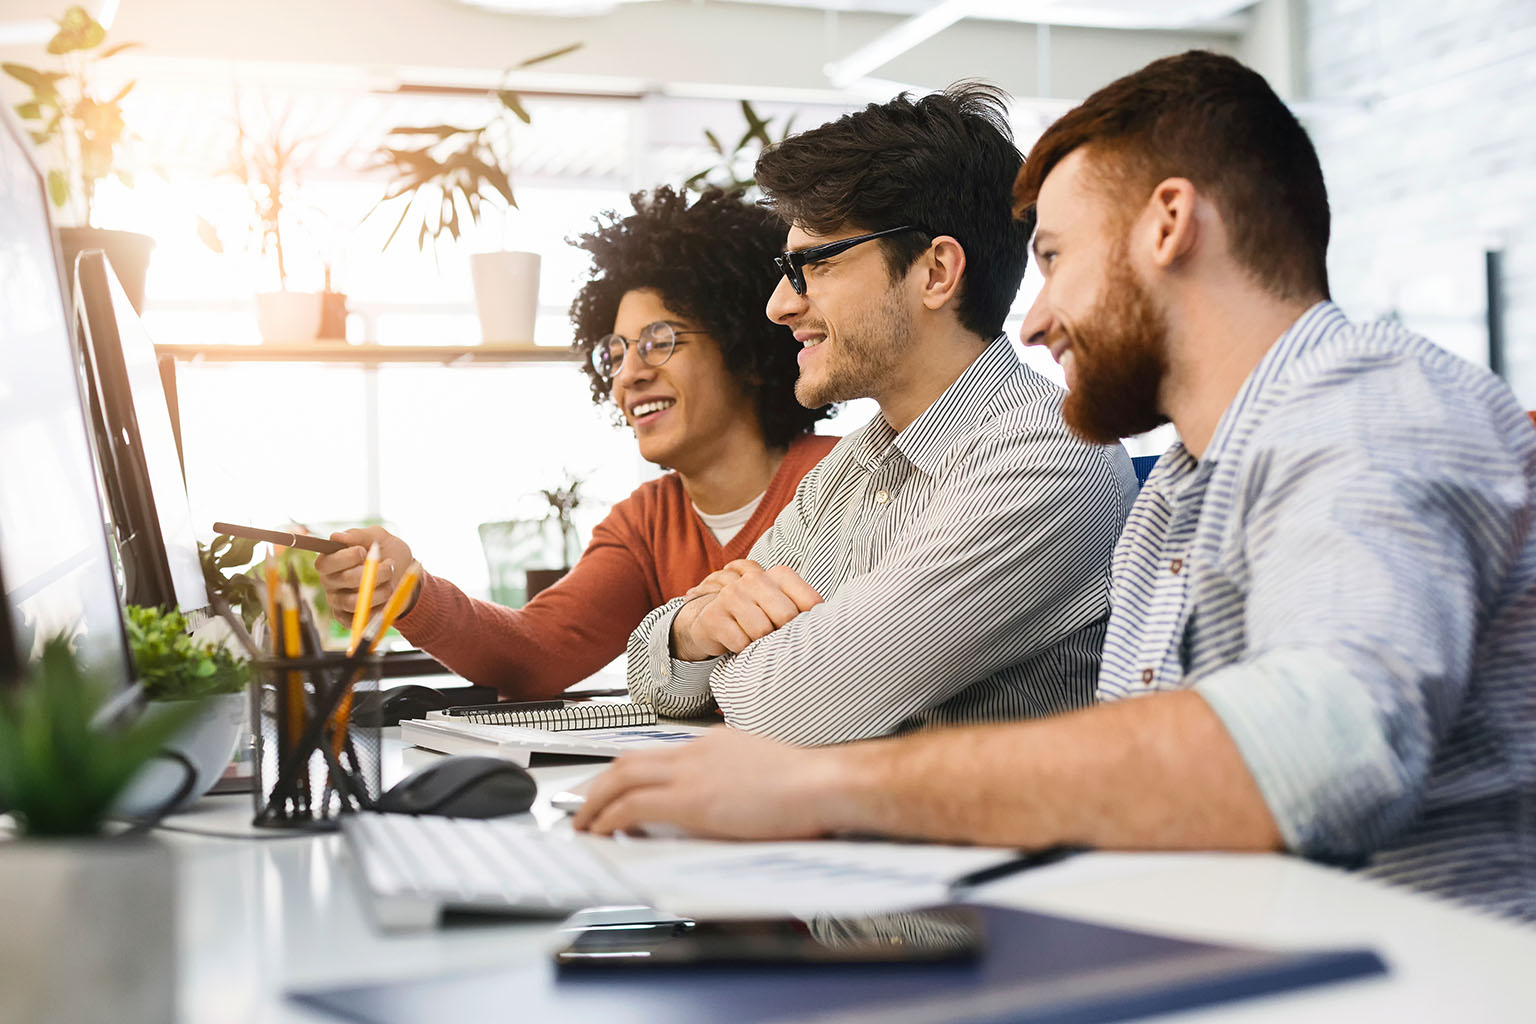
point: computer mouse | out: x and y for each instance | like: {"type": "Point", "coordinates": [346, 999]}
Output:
{"type": "Point", "coordinates": [468, 786]}
{"type": "Point", "coordinates": [412, 700]}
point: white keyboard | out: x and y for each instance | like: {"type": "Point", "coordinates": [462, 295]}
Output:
{"type": "Point", "coordinates": [417, 867]}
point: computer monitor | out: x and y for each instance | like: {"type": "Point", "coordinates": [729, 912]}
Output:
{"type": "Point", "coordinates": [55, 567]}
{"type": "Point", "coordinates": [140, 461]}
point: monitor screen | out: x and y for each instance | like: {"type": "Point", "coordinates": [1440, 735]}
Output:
{"type": "Point", "coordinates": [55, 565]}
{"type": "Point", "coordinates": [140, 462]}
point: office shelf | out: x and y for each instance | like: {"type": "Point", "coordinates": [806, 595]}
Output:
{"type": "Point", "coordinates": [341, 352]}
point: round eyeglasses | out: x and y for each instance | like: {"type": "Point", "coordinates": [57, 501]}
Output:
{"type": "Point", "coordinates": [654, 346]}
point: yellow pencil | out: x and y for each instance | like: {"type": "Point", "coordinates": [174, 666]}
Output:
{"type": "Point", "coordinates": [396, 603]}
{"type": "Point", "coordinates": [383, 621]}
{"type": "Point", "coordinates": [343, 710]}
{"type": "Point", "coordinates": [364, 598]}
{"type": "Point", "coordinates": [274, 625]}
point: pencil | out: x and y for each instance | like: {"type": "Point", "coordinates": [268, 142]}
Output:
{"type": "Point", "coordinates": [396, 603]}
{"type": "Point", "coordinates": [274, 625]}
{"type": "Point", "coordinates": [364, 598]}
{"type": "Point", "coordinates": [293, 647]}
{"type": "Point", "coordinates": [359, 623]}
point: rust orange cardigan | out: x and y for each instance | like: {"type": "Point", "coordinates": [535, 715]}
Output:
{"type": "Point", "coordinates": [651, 548]}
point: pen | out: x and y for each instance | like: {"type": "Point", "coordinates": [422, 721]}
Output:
{"type": "Point", "coordinates": [1023, 862]}
{"type": "Point", "coordinates": [507, 705]}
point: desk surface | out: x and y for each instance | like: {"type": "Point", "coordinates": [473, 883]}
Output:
{"type": "Point", "coordinates": [261, 916]}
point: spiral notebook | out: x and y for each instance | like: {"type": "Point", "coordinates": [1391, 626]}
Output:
{"type": "Point", "coordinates": [572, 715]}
{"type": "Point", "coordinates": [448, 734]}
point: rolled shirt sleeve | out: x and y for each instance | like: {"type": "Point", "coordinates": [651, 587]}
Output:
{"type": "Point", "coordinates": [1368, 567]}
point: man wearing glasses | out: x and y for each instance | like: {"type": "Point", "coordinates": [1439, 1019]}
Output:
{"type": "Point", "coordinates": [674, 345]}
{"type": "Point", "coordinates": [947, 563]}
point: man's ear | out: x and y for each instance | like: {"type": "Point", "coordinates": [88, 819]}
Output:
{"type": "Point", "coordinates": [941, 268]}
{"type": "Point", "coordinates": [1170, 227]}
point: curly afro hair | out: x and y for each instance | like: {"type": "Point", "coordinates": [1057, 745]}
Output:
{"type": "Point", "coordinates": [711, 262]}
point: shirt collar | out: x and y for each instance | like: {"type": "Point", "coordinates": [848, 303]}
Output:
{"type": "Point", "coordinates": [1311, 329]}
{"type": "Point", "coordinates": [929, 437]}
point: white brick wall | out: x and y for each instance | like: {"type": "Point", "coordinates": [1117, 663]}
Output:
{"type": "Point", "coordinates": [1430, 157]}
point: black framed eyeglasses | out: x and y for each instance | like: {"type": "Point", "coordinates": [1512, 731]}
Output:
{"type": "Point", "coordinates": [792, 261]}
{"type": "Point", "coordinates": [654, 346]}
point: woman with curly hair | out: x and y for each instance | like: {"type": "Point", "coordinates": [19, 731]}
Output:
{"type": "Point", "coordinates": [673, 329]}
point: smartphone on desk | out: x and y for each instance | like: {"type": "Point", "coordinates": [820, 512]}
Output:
{"type": "Point", "coordinates": [932, 935]}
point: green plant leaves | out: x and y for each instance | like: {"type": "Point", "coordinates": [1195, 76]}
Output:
{"type": "Point", "coordinates": [91, 127]}
{"type": "Point", "coordinates": [174, 666]}
{"type": "Point", "coordinates": [223, 560]}
{"type": "Point", "coordinates": [60, 770]}
{"type": "Point", "coordinates": [58, 187]}
{"type": "Point", "coordinates": [77, 31]}
{"type": "Point", "coordinates": [510, 100]}
{"type": "Point", "coordinates": [455, 170]}
{"type": "Point", "coordinates": [754, 139]}
{"type": "Point", "coordinates": [551, 55]}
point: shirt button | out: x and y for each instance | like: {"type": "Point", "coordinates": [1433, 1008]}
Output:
{"type": "Point", "coordinates": [882, 496]}
{"type": "Point", "coordinates": [1176, 565]}
{"type": "Point", "coordinates": [1146, 676]}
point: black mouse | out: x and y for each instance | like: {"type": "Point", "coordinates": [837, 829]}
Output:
{"type": "Point", "coordinates": [414, 700]}
{"type": "Point", "coordinates": [411, 701]}
{"type": "Point", "coordinates": [468, 786]}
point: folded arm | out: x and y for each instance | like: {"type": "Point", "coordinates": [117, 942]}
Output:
{"type": "Point", "coordinates": [999, 567]}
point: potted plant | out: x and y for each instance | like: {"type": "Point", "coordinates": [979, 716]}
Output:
{"type": "Point", "coordinates": [177, 669]}
{"type": "Point", "coordinates": [525, 556]}
{"type": "Point", "coordinates": [734, 168]}
{"type": "Point", "coordinates": [444, 175]}
{"type": "Point", "coordinates": [72, 116]}
{"type": "Point", "coordinates": [91, 919]}
{"type": "Point", "coordinates": [269, 165]}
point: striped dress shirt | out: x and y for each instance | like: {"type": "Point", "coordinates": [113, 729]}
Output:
{"type": "Point", "coordinates": [1348, 577]}
{"type": "Point", "coordinates": [964, 564]}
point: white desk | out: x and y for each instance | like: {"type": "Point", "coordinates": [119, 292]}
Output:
{"type": "Point", "coordinates": [258, 917]}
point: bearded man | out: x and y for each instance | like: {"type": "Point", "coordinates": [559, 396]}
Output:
{"type": "Point", "coordinates": [1324, 598]}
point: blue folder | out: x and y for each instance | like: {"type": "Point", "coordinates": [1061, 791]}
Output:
{"type": "Point", "coordinates": [1036, 967]}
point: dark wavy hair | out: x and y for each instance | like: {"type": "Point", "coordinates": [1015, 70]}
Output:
{"type": "Point", "coordinates": [944, 162]}
{"type": "Point", "coordinates": [711, 262]}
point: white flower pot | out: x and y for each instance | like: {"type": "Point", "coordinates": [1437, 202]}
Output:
{"type": "Point", "coordinates": [289, 316]}
{"type": "Point", "coordinates": [89, 931]}
{"type": "Point", "coordinates": [208, 742]}
{"type": "Point", "coordinates": [506, 295]}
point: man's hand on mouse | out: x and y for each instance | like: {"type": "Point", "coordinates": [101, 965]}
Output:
{"type": "Point", "coordinates": [733, 606]}
{"type": "Point", "coordinates": [341, 572]}
{"type": "Point", "coordinates": [727, 784]}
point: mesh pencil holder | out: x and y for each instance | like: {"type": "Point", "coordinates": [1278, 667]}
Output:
{"type": "Point", "coordinates": [317, 755]}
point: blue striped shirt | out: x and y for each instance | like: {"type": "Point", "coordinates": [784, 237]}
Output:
{"type": "Point", "coordinates": [1348, 577]}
